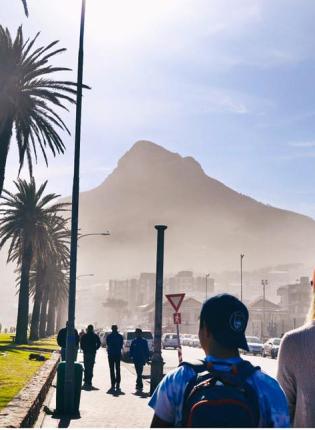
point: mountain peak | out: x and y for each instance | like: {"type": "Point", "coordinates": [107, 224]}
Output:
{"type": "Point", "coordinates": [147, 152]}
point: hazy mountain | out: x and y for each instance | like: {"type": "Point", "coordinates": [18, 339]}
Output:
{"type": "Point", "coordinates": [209, 224]}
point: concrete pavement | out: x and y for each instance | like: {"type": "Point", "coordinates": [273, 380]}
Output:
{"type": "Point", "coordinates": [100, 409]}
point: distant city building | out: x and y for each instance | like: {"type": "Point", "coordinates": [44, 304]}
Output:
{"type": "Point", "coordinates": [295, 298]}
{"type": "Point", "coordinates": [266, 319]}
{"type": "Point", "coordinates": [141, 291]}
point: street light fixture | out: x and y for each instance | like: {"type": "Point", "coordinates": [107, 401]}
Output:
{"type": "Point", "coordinates": [107, 233]}
{"type": "Point", "coordinates": [207, 276]}
{"type": "Point", "coordinates": [69, 386]}
{"type": "Point", "coordinates": [242, 256]}
{"type": "Point", "coordinates": [264, 282]}
{"type": "Point", "coordinates": [81, 276]}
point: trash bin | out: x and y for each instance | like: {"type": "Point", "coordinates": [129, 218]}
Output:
{"type": "Point", "coordinates": [60, 403]}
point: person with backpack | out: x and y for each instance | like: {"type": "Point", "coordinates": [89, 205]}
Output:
{"type": "Point", "coordinates": [140, 354]}
{"type": "Point", "coordinates": [90, 343]}
{"type": "Point", "coordinates": [114, 342]}
{"type": "Point", "coordinates": [222, 390]}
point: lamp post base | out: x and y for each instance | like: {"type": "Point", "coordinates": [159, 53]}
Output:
{"type": "Point", "coordinates": [157, 364]}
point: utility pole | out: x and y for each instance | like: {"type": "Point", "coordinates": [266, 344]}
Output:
{"type": "Point", "coordinates": [207, 276]}
{"type": "Point", "coordinates": [157, 360]}
{"type": "Point", "coordinates": [69, 388]}
{"type": "Point", "coordinates": [242, 256]}
{"type": "Point", "coordinates": [264, 282]}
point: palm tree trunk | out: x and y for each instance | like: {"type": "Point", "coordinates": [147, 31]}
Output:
{"type": "Point", "coordinates": [22, 317]}
{"type": "Point", "coordinates": [34, 333]}
{"type": "Point", "coordinates": [61, 315]}
{"type": "Point", "coordinates": [51, 315]}
{"type": "Point", "coordinates": [43, 314]}
{"type": "Point", "coordinates": [5, 137]}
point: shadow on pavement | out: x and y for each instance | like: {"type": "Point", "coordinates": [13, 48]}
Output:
{"type": "Point", "coordinates": [64, 423]}
{"type": "Point", "coordinates": [141, 394]}
{"type": "Point", "coordinates": [88, 388]}
{"type": "Point", "coordinates": [115, 393]}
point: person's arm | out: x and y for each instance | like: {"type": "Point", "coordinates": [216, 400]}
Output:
{"type": "Point", "coordinates": [98, 342]}
{"type": "Point", "coordinates": [285, 375]}
{"type": "Point", "coordinates": [59, 338]}
{"type": "Point", "coordinates": [131, 349]}
{"type": "Point", "coordinates": [158, 423]}
{"type": "Point", "coordinates": [121, 342]}
{"type": "Point", "coordinates": [77, 338]}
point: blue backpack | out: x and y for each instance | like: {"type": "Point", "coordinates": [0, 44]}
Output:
{"type": "Point", "coordinates": [220, 398]}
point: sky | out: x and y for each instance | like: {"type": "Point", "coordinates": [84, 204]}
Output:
{"type": "Point", "coordinates": [229, 82]}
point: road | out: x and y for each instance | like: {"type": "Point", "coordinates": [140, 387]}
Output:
{"type": "Point", "coordinates": [170, 357]}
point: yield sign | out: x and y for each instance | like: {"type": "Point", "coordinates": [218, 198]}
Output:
{"type": "Point", "coordinates": [175, 300]}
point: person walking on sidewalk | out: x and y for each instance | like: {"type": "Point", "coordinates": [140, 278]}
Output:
{"type": "Point", "coordinates": [222, 390]}
{"type": "Point", "coordinates": [139, 353]}
{"type": "Point", "coordinates": [114, 342]}
{"type": "Point", "coordinates": [90, 343]}
{"type": "Point", "coordinates": [62, 341]}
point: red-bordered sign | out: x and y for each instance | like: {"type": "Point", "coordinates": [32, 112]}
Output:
{"type": "Point", "coordinates": [175, 300]}
{"type": "Point", "coordinates": [177, 318]}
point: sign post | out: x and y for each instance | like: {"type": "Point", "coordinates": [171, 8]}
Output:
{"type": "Point", "coordinates": [176, 300]}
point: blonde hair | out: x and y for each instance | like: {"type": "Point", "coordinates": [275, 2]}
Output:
{"type": "Point", "coordinates": [311, 313]}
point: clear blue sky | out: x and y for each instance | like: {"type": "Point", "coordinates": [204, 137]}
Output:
{"type": "Point", "coordinates": [229, 82]}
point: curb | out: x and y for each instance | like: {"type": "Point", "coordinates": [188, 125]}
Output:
{"type": "Point", "coordinates": [24, 409]}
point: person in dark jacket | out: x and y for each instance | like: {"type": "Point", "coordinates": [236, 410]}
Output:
{"type": "Point", "coordinates": [139, 353]}
{"type": "Point", "coordinates": [62, 341]}
{"type": "Point", "coordinates": [90, 343]}
{"type": "Point", "coordinates": [114, 342]}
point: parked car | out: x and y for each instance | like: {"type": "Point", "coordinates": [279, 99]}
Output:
{"type": "Point", "coordinates": [194, 340]}
{"type": "Point", "coordinates": [129, 336]}
{"type": "Point", "coordinates": [169, 340]}
{"type": "Point", "coordinates": [255, 345]}
{"type": "Point", "coordinates": [271, 347]}
{"type": "Point", "coordinates": [184, 339]}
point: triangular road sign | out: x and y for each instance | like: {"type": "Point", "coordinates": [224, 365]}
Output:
{"type": "Point", "coordinates": [175, 300]}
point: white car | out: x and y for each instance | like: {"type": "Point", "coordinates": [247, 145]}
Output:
{"type": "Point", "coordinates": [255, 345]}
{"type": "Point", "coordinates": [129, 336]}
{"type": "Point", "coordinates": [169, 340]}
{"type": "Point", "coordinates": [271, 347]}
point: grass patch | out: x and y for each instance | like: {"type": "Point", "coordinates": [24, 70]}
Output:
{"type": "Point", "coordinates": [15, 367]}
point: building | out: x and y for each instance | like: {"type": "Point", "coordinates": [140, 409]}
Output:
{"type": "Point", "coordinates": [266, 319]}
{"type": "Point", "coordinates": [189, 310]}
{"type": "Point", "coordinates": [295, 299]}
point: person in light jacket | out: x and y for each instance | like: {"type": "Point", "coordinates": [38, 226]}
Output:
{"type": "Point", "coordinates": [296, 370]}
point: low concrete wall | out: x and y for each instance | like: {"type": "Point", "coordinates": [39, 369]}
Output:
{"type": "Point", "coordinates": [24, 409]}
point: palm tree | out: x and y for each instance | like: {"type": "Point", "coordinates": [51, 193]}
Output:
{"type": "Point", "coordinates": [25, 218]}
{"type": "Point", "coordinates": [48, 270]}
{"type": "Point", "coordinates": [29, 99]}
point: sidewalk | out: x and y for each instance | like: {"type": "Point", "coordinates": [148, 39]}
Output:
{"type": "Point", "coordinates": [99, 409]}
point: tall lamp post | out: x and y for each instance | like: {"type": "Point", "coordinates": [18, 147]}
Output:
{"type": "Point", "coordinates": [264, 282]}
{"type": "Point", "coordinates": [157, 360]}
{"type": "Point", "coordinates": [207, 276]}
{"type": "Point", "coordinates": [242, 256]}
{"type": "Point", "coordinates": [69, 387]}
